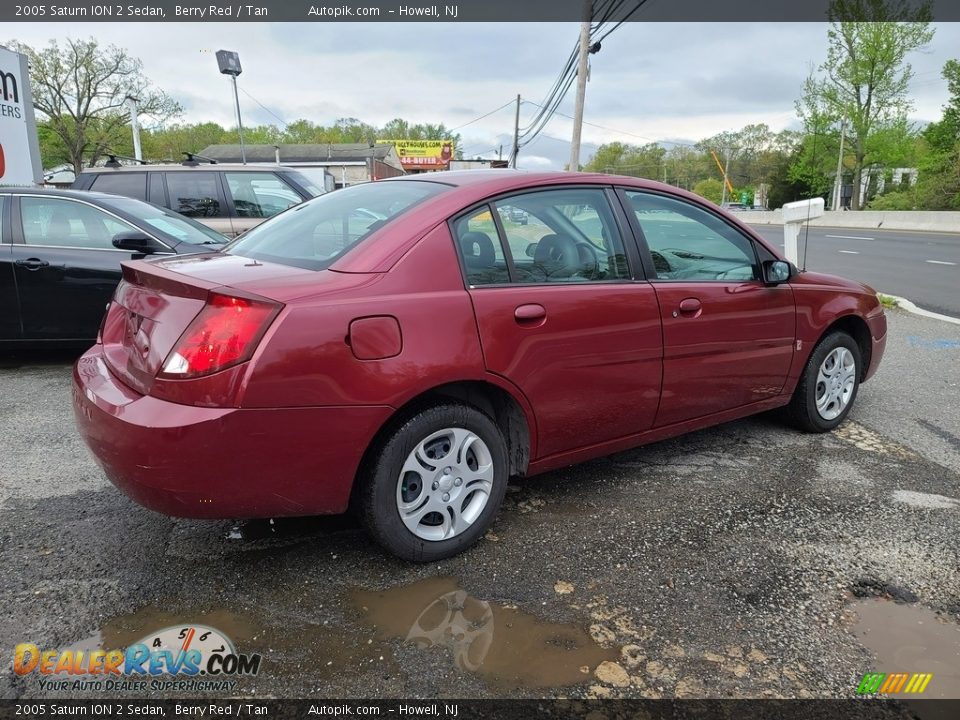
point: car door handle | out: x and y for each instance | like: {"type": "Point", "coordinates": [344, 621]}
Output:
{"type": "Point", "coordinates": [32, 263]}
{"type": "Point", "coordinates": [690, 306]}
{"type": "Point", "coordinates": [532, 314]}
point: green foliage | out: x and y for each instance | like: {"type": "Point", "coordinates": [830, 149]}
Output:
{"type": "Point", "coordinates": [939, 183]}
{"type": "Point", "coordinates": [79, 90]}
{"type": "Point", "coordinates": [865, 78]}
{"type": "Point", "coordinates": [896, 200]}
{"type": "Point", "coordinates": [623, 159]}
{"type": "Point", "coordinates": [711, 189]}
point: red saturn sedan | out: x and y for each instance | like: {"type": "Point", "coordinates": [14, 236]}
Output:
{"type": "Point", "coordinates": [404, 347]}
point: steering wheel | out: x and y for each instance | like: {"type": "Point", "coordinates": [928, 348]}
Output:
{"type": "Point", "coordinates": [589, 257]}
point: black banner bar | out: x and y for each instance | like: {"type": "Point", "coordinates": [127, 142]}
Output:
{"type": "Point", "coordinates": [862, 709]}
{"type": "Point", "coordinates": [452, 10]}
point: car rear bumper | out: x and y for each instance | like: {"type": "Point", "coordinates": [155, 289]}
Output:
{"type": "Point", "coordinates": [220, 462]}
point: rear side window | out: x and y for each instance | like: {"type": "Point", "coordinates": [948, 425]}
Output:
{"type": "Point", "coordinates": [312, 235]}
{"type": "Point", "coordinates": [59, 222]}
{"type": "Point", "coordinates": [194, 194]}
{"type": "Point", "coordinates": [566, 235]}
{"type": "Point", "coordinates": [122, 183]}
{"type": "Point", "coordinates": [480, 249]}
{"type": "Point", "coordinates": [260, 194]}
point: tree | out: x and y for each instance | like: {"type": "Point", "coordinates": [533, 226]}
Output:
{"type": "Point", "coordinates": [711, 189]}
{"type": "Point", "coordinates": [865, 78]}
{"type": "Point", "coordinates": [171, 142]}
{"type": "Point", "coordinates": [79, 90]}
{"type": "Point", "coordinates": [625, 159]}
{"type": "Point", "coordinates": [939, 183]}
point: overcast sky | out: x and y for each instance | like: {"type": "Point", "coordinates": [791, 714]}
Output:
{"type": "Point", "coordinates": [650, 82]}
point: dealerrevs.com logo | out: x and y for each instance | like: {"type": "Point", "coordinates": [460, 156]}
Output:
{"type": "Point", "coordinates": [191, 657]}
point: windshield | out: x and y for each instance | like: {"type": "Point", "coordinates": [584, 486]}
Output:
{"type": "Point", "coordinates": [314, 234]}
{"type": "Point", "coordinates": [168, 223]}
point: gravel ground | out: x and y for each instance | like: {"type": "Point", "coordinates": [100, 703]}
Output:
{"type": "Point", "coordinates": [725, 563]}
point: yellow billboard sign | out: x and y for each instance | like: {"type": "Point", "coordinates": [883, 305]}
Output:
{"type": "Point", "coordinates": [423, 153]}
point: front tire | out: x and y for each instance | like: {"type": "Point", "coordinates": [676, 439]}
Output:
{"type": "Point", "coordinates": [829, 384]}
{"type": "Point", "coordinates": [436, 484]}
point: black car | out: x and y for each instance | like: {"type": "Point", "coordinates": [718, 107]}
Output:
{"type": "Point", "coordinates": [60, 255]}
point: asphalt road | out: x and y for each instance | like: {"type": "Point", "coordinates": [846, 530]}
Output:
{"type": "Point", "coordinates": [922, 267]}
{"type": "Point", "coordinates": [747, 560]}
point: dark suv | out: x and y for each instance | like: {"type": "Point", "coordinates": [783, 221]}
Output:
{"type": "Point", "coordinates": [231, 199]}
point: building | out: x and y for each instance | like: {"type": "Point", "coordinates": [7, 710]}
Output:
{"type": "Point", "coordinates": [478, 164]}
{"type": "Point", "coordinates": [349, 163]}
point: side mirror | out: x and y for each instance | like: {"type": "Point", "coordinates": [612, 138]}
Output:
{"type": "Point", "coordinates": [776, 272]}
{"type": "Point", "coordinates": [136, 242]}
{"type": "Point", "coordinates": [531, 250]}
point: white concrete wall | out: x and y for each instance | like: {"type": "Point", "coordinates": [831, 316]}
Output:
{"type": "Point", "coordinates": [940, 221]}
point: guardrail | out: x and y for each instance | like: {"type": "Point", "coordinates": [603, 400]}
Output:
{"type": "Point", "coordinates": [937, 221]}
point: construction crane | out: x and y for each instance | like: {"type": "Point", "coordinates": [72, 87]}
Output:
{"type": "Point", "coordinates": [723, 172]}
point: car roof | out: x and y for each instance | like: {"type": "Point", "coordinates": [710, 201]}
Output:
{"type": "Point", "coordinates": [160, 167]}
{"type": "Point", "coordinates": [509, 179]}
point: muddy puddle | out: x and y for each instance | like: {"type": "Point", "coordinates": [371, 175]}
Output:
{"type": "Point", "coordinates": [911, 639]}
{"type": "Point", "coordinates": [328, 651]}
{"type": "Point", "coordinates": [504, 645]}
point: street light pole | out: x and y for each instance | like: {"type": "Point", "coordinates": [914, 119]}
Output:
{"type": "Point", "coordinates": [229, 64]}
{"type": "Point", "coordinates": [838, 184]}
{"type": "Point", "coordinates": [581, 85]}
{"type": "Point", "coordinates": [236, 100]}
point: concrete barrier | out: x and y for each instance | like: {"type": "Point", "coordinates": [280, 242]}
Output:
{"type": "Point", "coordinates": [935, 221]}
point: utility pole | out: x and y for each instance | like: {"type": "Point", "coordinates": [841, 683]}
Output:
{"type": "Point", "coordinates": [581, 85]}
{"type": "Point", "coordinates": [516, 136]}
{"type": "Point", "coordinates": [838, 183]}
{"type": "Point", "coordinates": [726, 175]}
{"type": "Point", "coordinates": [131, 103]}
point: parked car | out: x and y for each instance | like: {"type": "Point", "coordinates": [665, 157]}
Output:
{"type": "Point", "coordinates": [409, 369]}
{"type": "Point", "coordinates": [518, 216]}
{"type": "Point", "coordinates": [60, 254]}
{"type": "Point", "coordinates": [231, 199]}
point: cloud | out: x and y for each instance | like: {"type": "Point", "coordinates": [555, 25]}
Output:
{"type": "Point", "coordinates": [650, 81]}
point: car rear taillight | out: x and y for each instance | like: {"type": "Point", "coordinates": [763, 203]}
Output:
{"type": "Point", "coordinates": [225, 333]}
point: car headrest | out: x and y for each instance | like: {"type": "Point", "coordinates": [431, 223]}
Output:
{"type": "Point", "coordinates": [558, 256]}
{"type": "Point", "coordinates": [477, 250]}
{"type": "Point", "coordinates": [59, 225]}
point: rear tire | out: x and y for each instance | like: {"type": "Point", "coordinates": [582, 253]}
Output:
{"type": "Point", "coordinates": [829, 384]}
{"type": "Point", "coordinates": [436, 483]}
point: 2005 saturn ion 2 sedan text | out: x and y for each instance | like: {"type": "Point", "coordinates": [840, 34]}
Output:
{"type": "Point", "coordinates": [405, 346]}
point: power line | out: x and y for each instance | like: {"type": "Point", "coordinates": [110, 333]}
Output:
{"type": "Point", "coordinates": [496, 110]}
{"type": "Point", "coordinates": [282, 121]}
{"type": "Point", "coordinates": [605, 10]}
{"type": "Point", "coordinates": [625, 18]}
{"type": "Point", "coordinates": [622, 132]}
